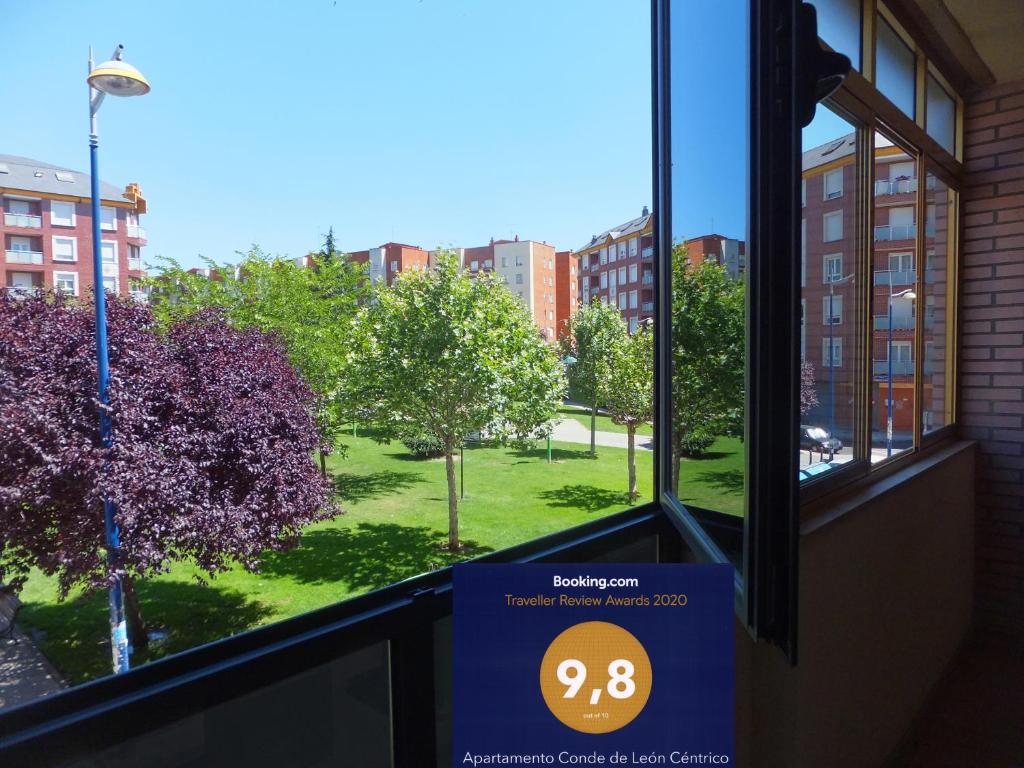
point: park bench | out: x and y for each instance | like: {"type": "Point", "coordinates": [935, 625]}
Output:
{"type": "Point", "coordinates": [9, 607]}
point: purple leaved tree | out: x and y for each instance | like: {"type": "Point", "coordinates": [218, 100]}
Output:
{"type": "Point", "coordinates": [213, 439]}
{"type": "Point", "coordinates": [808, 392]}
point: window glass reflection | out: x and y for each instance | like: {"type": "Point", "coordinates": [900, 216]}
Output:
{"type": "Point", "coordinates": [839, 25]}
{"type": "Point", "coordinates": [941, 115]}
{"type": "Point", "coordinates": [894, 67]}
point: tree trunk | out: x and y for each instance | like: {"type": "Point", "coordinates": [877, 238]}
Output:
{"type": "Point", "coordinates": [593, 430]}
{"type": "Point", "coordinates": [453, 502]}
{"type": "Point", "coordinates": [138, 634]}
{"type": "Point", "coordinates": [631, 459]}
{"type": "Point", "coordinates": [676, 459]}
{"type": "Point", "coordinates": [323, 464]}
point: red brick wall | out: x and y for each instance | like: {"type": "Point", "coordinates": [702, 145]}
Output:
{"type": "Point", "coordinates": [992, 352]}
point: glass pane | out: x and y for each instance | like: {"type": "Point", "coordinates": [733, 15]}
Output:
{"type": "Point", "coordinates": [710, 158]}
{"type": "Point", "coordinates": [941, 115]}
{"type": "Point", "coordinates": [829, 342]}
{"type": "Point", "coordinates": [894, 67]}
{"type": "Point", "coordinates": [839, 25]}
{"type": "Point", "coordinates": [335, 714]}
{"type": "Point", "coordinates": [893, 301]}
{"type": "Point", "coordinates": [936, 406]}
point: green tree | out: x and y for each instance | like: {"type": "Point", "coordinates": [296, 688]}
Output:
{"type": "Point", "coordinates": [707, 356]}
{"type": "Point", "coordinates": [330, 250]}
{"type": "Point", "coordinates": [592, 334]}
{"type": "Point", "coordinates": [448, 355]}
{"type": "Point", "coordinates": [628, 385]}
{"type": "Point", "coordinates": [312, 308]}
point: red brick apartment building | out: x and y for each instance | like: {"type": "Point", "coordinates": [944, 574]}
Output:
{"type": "Point", "coordinates": [719, 249]}
{"type": "Point", "coordinates": [47, 230]}
{"type": "Point", "coordinates": [829, 231]}
{"type": "Point", "coordinates": [567, 288]}
{"type": "Point", "coordinates": [617, 267]}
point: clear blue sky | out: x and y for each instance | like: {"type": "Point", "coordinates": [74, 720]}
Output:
{"type": "Point", "coordinates": [433, 122]}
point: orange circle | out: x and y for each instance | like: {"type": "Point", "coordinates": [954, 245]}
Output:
{"type": "Point", "coordinates": [589, 649]}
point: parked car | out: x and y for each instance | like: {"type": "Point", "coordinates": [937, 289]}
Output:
{"type": "Point", "coordinates": [818, 439]}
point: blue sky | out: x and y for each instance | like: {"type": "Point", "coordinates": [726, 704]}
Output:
{"type": "Point", "coordinates": [433, 122]}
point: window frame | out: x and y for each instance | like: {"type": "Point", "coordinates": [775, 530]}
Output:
{"type": "Point", "coordinates": [73, 220]}
{"type": "Point", "coordinates": [57, 274]}
{"type": "Point", "coordinates": [74, 249]}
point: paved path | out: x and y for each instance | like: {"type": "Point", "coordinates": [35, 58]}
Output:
{"type": "Point", "coordinates": [25, 674]}
{"type": "Point", "coordinates": [571, 431]}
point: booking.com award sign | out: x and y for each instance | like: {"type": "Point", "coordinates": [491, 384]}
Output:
{"type": "Point", "coordinates": [592, 665]}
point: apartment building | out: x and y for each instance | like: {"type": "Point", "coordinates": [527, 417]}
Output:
{"type": "Point", "coordinates": [729, 252]}
{"type": "Point", "coordinates": [389, 260]}
{"type": "Point", "coordinates": [47, 230]}
{"type": "Point", "coordinates": [617, 268]}
{"type": "Point", "coordinates": [829, 321]}
{"type": "Point", "coordinates": [567, 288]}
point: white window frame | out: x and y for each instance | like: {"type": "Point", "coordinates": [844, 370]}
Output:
{"type": "Point", "coordinates": [603, 258]}
{"type": "Point", "coordinates": [836, 275]}
{"type": "Point", "coordinates": [474, 266]}
{"type": "Point", "coordinates": [622, 301]}
{"type": "Point", "coordinates": [613, 250]}
{"type": "Point", "coordinates": [105, 212]}
{"type": "Point", "coordinates": [634, 247]}
{"type": "Point", "coordinates": [835, 194]}
{"type": "Point", "coordinates": [117, 283]}
{"type": "Point", "coordinates": [633, 299]}
{"type": "Point", "coordinates": [837, 352]}
{"type": "Point", "coordinates": [604, 281]}
{"type": "Point", "coordinates": [825, 218]}
{"type": "Point", "coordinates": [74, 249]}
{"type": "Point", "coordinates": [900, 255]}
{"type": "Point", "coordinates": [113, 250]}
{"type": "Point", "coordinates": [898, 355]}
{"type": "Point", "coordinates": [622, 275]}
{"type": "Point", "coordinates": [21, 243]}
{"type": "Point", "coordinates": [634, 323]}
{"type": "Point", "coordinates": [633, 273]}
{"type": "Point", "coordinates": [57, 276]}
{"type": "Point", "coordinates": [837, 309]}
{"type": "Point", "coordinates": [62, 222]}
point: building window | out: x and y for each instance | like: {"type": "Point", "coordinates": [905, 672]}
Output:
{"type": "Point", "coordinates": [633, 247]}
{"type": "Point", "coordinates": [833, 184]}
{"type": "Point", "coordinates": [832, 303]}
{"type": "Point", "coordinates": [633, 300]}
{"type": "Point", "coordinates": [474, 266]}
{"type": "Point", "coordinates": [108, 218]}
{"type": "Point", "coordinates": [832, 227]}
{"type": "Point", "coordinates": [519, 276]}
{"type": "Point", "coordinates": [612, 250]}
{"type": "Point", "coordinates": [65, 248]}
{"type": "Point", "coordinates": [634, 322]}
{"type": "Point", "coordinates": [622, 301]}
{"type": "Point", "coordinates": [632, 273]}
{"type": "Point", "coordinates": [519, 261]}
{"type": "Point", "coordinates": [62, 214]}
{"type": "Point", "coordinates": [622, 276]}
{"type": "Point", "coordinates": [108, 252]}
{"type": "Point", "coordinates": [837, 352]}
{"type": "Point", "coordinates": [832, 268]}
{"type": "Point", "coordinates": [110, 283]}
{"type": "Point", "coordinates": [488, 264]}
{"type": "Point", "coordinates": [66, 282]}
{"type": "Point", "coordinates": [604, 256]}
{"type": "Point", "coordinates": [604, 280]}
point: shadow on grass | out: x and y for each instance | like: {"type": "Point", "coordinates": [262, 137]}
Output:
{"type": "Point", "coordinates": [368, 556]}
{"type": "Point", "coordinates": [75, 635]}
{"type": "Point", "coordinates": [725, 480]}
{"type": "Point", "coordinates": [589, 498]}
{"type": "Point", "coordinates": [353, 487]}
{"type": "Point", "coordinates": [557, 454]}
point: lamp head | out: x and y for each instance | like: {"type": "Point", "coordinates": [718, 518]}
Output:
{"type": "Point", "coordinates": [118, 78]}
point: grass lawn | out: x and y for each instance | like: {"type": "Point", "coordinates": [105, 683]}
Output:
{"type": "Point", "coordinates": [604, 423]}
{"type": "Point", "coordinates": [394, 527]}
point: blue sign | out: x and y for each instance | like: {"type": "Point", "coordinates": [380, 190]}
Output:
{"type": "Point", "coordinates": [592, 664]}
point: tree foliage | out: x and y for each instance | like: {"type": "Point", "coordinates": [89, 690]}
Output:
{"type": "Point", "coordinates": [211, 461]}
{"type": "Point", "coordinates": [707, 354]}
{"type": "Point", "coordinates": [808, 392]}
{"type": "Point", "coordinates": [628, 389]}
{"type": "Point", "coordinates": [312, 308]}
{"type": "Point", "coordinates": [448, 355]}
{"type": "Point", "coordinates": [592, 334]}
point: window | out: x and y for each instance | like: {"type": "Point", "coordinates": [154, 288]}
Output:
{"type": "Point", "coordinates": [901, 262]}
{"type": "Point", "coordinates": [633, 247]}
{"type": "Point", "coordinates": [832, 309]}
{"type": "Point", "coordinates": [108, 252]}
{"type": "Point", "coordinates": [622, 300]}
{"type": "Point", "coordinates": [65, 249]}
{"type": "Point", "coordinates": [604, 280]}
{"type": "Point", "coordinates": [108, 218]}
{"type": "Point", "coordinates": [941, 112]}
{"type": "Point", "coordinates": [832, 268]}
{"type": "Point", "coordinates": [23, 244]}
{"type": "Point", "coordinates": [504, 261]}
{"type": "Point", "coordinates": [394, 266]}
{"type": "Point", "coordinates": [612, 251]}
{"type": "Point", "coordinates": [66, 282]}
{"type": "Point", "coordinates": [604, 256]}
{"type": "Point", "coordinates": [519, 261]}
{"type": "Point", "coordinates": [836, 360]}
{"type": "Point", "coordinates": [832, 226]}
{"type": "Point", "coordinates": [488, 264]}
{"type": "Point", "coordinates": [894, 65]}
{"type": "Point", "coordinates": [519, 277]}
{"type": "Point", "coordinates": [839, 23]}
{"type": "Point", "coordinates": [62, 214]}
{"type": "Point", "coordinates": [612, 279]}
{"type": "Point", "coordinates": [110, 283]}
{"type": "Point", "coordinates": [633, 300]}
{"type": "Point", "coordinates": [634, 322]}
{"type": "Point", "coordinates": [833, 184]}
{"type": "Point", "coordinates": [632, 273]}
{"type": "Point", "coordinates": [21, 207]}
{"type": "Point", "coordinates": [622, 276]}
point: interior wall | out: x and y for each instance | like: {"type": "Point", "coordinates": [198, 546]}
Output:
{"type": "Point", "coordinates": [886, 591]}
{"type": "Point", "coordinates": [992, 345]}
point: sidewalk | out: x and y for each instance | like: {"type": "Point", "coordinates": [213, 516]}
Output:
{"type": "Point", "coordinates": [571, 431]}
{"type": "Point", "coordinates": [25, 674]}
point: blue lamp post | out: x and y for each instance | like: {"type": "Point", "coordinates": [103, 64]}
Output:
{"type": "Point", "coordinates": [905, 294]}
{"type": "Point", "coordinates": [831, 358]}
{"type": "Point", "coordinates": [118, 79]}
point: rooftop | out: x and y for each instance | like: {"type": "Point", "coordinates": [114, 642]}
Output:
{"type": "Point", "coordinates": [29, 175]}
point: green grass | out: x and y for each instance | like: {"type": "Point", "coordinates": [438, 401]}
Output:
{"type": "Point", "coordinates": [394, 527]}
{"type": "Point", "coordinates": [604, 423]}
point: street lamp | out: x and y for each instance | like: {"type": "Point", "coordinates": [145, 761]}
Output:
{"type": "Point", "coordinates": [904, 294]}
{"type": "Point", "coordinates": [118, 78]}
{"type": "Point", "coordinates": [831, 360]}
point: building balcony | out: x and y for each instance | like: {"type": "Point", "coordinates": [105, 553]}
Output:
{"type": "Point", "coordinates": [902, 323]}
{"type": "Point", "coordinates": [26, 220]}
{"type": "Point", "coordinates": [895, 187]}
{"type": "Point", "coordinates": [647, 253]}
{"type": "Point", "coordinates": [25, 257]}
{"type": "Point", "coordinates": [22, 291]}
{"type": "Point", "coordinates": [895, 232]}
{"type": "Point", "coordinates": [886, 277]}
{"type": "Point", "coordinates": [899, 367]}
{"type": "Point", "coordinates": [647, 306]}
{"type": "Point", "coordinates": [135, 265]}
{"type": "Point", "coordinates": [135, 231]}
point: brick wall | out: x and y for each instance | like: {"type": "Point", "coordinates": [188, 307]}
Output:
{"type": "Point", "coordinates": [992, 352]}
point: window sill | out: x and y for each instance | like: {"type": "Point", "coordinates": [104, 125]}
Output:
{"type": "Point", "coordinates": [824, 510]}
